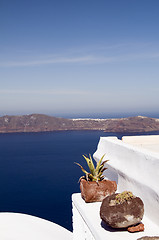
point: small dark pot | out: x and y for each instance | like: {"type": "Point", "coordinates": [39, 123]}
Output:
{"type": "Point", "coordinates": [96, 192]}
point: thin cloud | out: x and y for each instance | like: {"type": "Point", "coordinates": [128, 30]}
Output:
{"type": "Point", "coordinates": [85, 59]}
{"type": "Point", "coordinates": [89, 59]}
{"type": "Point", "coordinates": [63, 60]}
{"type": "Point", "coordinates": [44, 92]}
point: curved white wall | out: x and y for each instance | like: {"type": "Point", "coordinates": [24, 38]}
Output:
{"type": "Point", "coordinates": [17, 226]}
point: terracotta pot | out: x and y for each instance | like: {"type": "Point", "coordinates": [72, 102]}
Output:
{"type": "Point", "coordinates": [96, 192]}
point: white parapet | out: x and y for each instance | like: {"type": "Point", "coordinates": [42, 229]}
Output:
{"type": "Point", "coordinates": [87, 224]}
{"type": "Point", "coordinates": [135, 169]}
{"type": "Point", "coordinates": [149, 142]}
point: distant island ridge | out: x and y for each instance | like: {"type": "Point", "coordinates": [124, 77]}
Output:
{"type": "Point", "coordinates": [45, 123]}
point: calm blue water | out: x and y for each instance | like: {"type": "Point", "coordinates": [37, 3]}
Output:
{"type": "Point", "coordinates": [38, 174]}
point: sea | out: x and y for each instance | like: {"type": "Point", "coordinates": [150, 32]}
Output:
{"type": "Point", "coordinates": [38, 173]}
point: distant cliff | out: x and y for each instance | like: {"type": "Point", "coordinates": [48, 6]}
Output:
{"type": "Point", "coordinates": [42, 123]}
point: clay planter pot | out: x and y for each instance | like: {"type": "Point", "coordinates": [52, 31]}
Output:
{"type": "Point", "coordinates": [96, 192]}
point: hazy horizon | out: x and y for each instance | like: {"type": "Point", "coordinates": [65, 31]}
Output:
{"type": "Point", "coordinates": [93, 115]}
{"type": "Point", "coordinates": [79, 58]}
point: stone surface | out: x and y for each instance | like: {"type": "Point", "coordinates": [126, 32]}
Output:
{"type": "Point", "coordinates": [96, 192]}
{"type": "Point", "coordinates": [121, 215]}
{"type": "Point", "coordinates": [149, 238]}
{"type": "Point", "coordinates": [138, 228]}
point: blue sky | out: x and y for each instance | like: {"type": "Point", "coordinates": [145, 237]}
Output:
{"type": "Point", "coordinates": [79, 58]}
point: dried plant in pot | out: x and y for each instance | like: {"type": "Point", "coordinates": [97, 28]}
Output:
{"type": "Point", "coordinates": [93, 186]}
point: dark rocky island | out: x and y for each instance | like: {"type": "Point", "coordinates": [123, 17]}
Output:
{"type": "Point", "coordinates": [43, 123]}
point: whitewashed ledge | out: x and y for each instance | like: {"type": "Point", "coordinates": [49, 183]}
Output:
{"type": "Point", "coordinates": [134, 165]}
{"type": "Point", "coordinates": [87, 224]}
{"type": "Point", "coordinates": [17, 226]}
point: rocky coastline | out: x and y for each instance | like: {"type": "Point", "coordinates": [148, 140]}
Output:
{"type": "Point", "coordinates": [44, 123]}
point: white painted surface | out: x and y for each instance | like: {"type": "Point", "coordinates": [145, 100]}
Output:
{"type": "Point", "coordinates": [134, 169]}
{"type": "Point", "coordinates": [149, 142]}
{"type": "Point", "coordinates": [80, 228]}
{"type": "Point", "coordinates": [16, 226]}
{"type": "Point", "coordinates": [87, 224]}
{"type": "Point", "coordinates": [134, 165]}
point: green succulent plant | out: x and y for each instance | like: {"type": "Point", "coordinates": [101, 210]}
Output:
{"type": "Point", "coordinates": [96, 173]}
{"type": "Point", "coordinates": [123, 197]}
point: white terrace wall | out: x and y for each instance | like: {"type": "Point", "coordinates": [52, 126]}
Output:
{"type": "Point", "coordinates": [149, 142]}
{"type": "Point", "coordinates": [133, 169]}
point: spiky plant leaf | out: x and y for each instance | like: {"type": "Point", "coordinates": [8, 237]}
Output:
{"type": "Point", "coordinates": [95, 173]}
{"type": "Point", "coordinates": [99, 164]}
{"type": "Point", "coordinates": [104, 162]}
{"type": "Point", "coordinates": [83, 170]}
{"type": "Point", "coordinates": [102, 166]}
{"type": "Point", "coordinates": [92, 178]}
{"type": "Point", "coordinates": [90, 164]}
{"type": "Point", "coordinates": [103, 169]}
